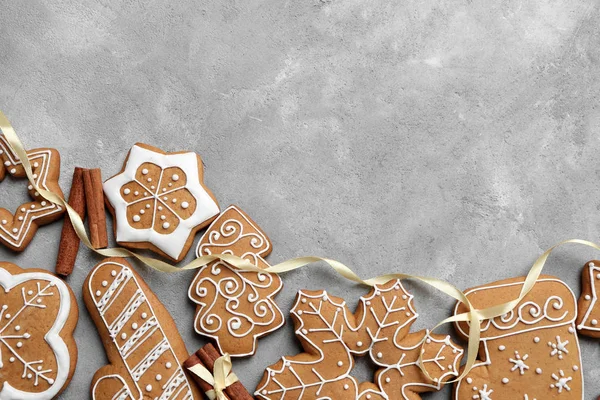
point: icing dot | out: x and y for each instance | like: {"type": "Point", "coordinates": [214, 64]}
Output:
{"type": "Point", "coordinates": [147, 205]}
{"type": "Point", "coordinates": [4, 222]}
{"type": "Point", "coordinates": [379, 355]}
{"type": "Point", "coordinates": [127, 191]}
{"type": "Point", "coordinates": [229, 285]}
{"type": "Point", "coordinates": [359, 344]}
{"type": "Point", "coordinates": [170, 184]}
{"type": "Point", "coordinates": [20, 218]}
{"type": "Point", "coordinates": [27, 336]}
{"type": "Point", "coordinates": [339, 363]}
{"type": "Point", "coordinates": [104, 283]}
{"type": "Point", "coordinates": [113, 273]}
{"type": "Point", "coordinates": [123, 336]}
{"type": "Point", "coordinates": [168, 365]}
{"type": "Point", "coordinates": [19, 344]}
{"type": "Point", "coordinates": [29, 376]}
{"type": "Point", "coordinates": [304, 331]}
{"type": "Point", "coordinates": [4, 307]}
{"type": "Point", "coordinates": [164, 190]}
{"type": "Point", "coordinates": [51, 381]}
{"type": "Point", "coordinates": [136, 218]}
{"type": "Point", "coordinates": [166, 225]}
{"type": "Point", "coordinates": [15, 230]}
{"type": "Point", "coordinates": [388, 380]}
{"type": "Point", "coordinates": [144, 315]}
{"type": "Point", "coordinates": [144, 171]}
{"type": "Point", "coordinates": [32, 206]}
{"type": "Point", "coordinates": [148, 388]}
{"type": "Point", "coordinates": [504, 380]}
{"type": "Point", "coordinates": [175, 177]}
{"type": "Point", "coordinates": [538, 371]}
{"type": "Point", "coordinates": [35, 176]}
{"type": "Point", "coordinates": [7, 163]}
{"type": "Point", "coordinates": [408, 314]}
{"type": "Point", "coordinates": [8, 315]}
{"type": "Point", "coordinates": [346, 387]}
{"type": "Point", "coordinates": [12, 359]}
{"type": "Point", "coordinates": [134, 326]}
{"type": "Point", "coordinates": [575, 368]}
{"type": "Point", "coordinates": [146, 194]}
{"type": "Point", "coordinates": [556, 306]}
{"type": "Point", "coordinates": [368, 396]}
{"type": "Point", "coordinates": [142, 211]}
{"type": "Point", "coordinates": [39, 368]}
{"type": "Point", "coordinates": [598, 276]}
{"type": "Point", "coordinates": [304, 301]}
{"type": "Point", "coordinates": [136, 193]}
{"type": "Point", "coordinates": [165, 198]}
{"type": "Point", "coordinates": [174, 201]}
{"type": "Point", "coordinates": [149, 179]}
{"type": "Point", "coordinates": [160, 208]}
{"type": "Point", "coordinates": [571, 329]}
{"type": "Point", "coordinates": [12, 171]}
{"type": "Point", "coordinates": [163, 217]}
{"type": "Point", "coordinates": [35, 165]}
{"type": "Point", "coordinates": [44, 204]}
{"type": "Point", "coordinates": [469, 380]}
{"type": "Point", "coordinates": [158, 377]}
{"type": "Point", "coordinates": [98, 293]}
{"type": "Point", "coordinates": [17, 328]}
{"type": "Point", "coordinates": [501, 347]}
{"type": "Point", "coordinates": [536, 339]}
{"type": "Point", "coordinates": [299, 312]}
{"type": "Point", "coordinates": [588, 297]}
{"type": "Point", "coordinates": [594, 322]}
{"type": "Point", "coordinates": [152, 187]}
{"type": "Point", "coordinates": [185, 205]}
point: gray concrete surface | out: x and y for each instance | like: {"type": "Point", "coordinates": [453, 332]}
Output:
{"type": "Point", "coordinates": [454, 139]}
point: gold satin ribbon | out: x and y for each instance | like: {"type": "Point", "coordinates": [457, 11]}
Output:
{"type": "Point", "coordinates": [472, 316]}
{"type": "Point", "coordinates": [221, 380]}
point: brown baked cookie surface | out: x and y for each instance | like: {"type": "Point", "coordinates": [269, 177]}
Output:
{"type": "Point", "coordinates": [18, 229]}
{"type": "Point", "coordinates": [141, 340]}
{"type": "Point", "coordinates": [38, 314]}
{"type": "Point", "coordinates": [529, 353]}
{"type": "Point", "coordinates": [235, 307]}
{"type": "Point", "coordinates": [159, 201]}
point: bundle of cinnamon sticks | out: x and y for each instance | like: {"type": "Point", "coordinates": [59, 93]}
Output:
{"type": "Point", "coordinates": [207, 356]}
{"type": "Point", "coordinates": [86, 197]}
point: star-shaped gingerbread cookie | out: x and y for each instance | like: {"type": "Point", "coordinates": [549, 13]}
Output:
{"type": "Point", "coordinates": [159, 201]}
{"type": "Point", "coordinates": [17, 230]}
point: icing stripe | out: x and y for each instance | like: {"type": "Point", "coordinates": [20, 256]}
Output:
{"type": "Point", "coordinates": [150, 358]}
{"type": "Point", "coordinates": [135, 340]}
{"type": "Point", "coordinates": [134, 303]}
{"type": "Point", "coordinates": [122, 278]}
{"type": "Point", "coordinates": [174, 382]}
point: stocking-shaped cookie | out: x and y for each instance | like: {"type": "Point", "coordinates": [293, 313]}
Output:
{"type": "Point", "coordinates": [235, 307]}
{"type": "Point", "coordinates": [529, 353]}
{"type": "Point", "coordinates": [331, 336]}
{"type": "Point", "coordinates": [140, 338]}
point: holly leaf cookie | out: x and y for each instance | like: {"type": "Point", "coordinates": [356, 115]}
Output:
{"type": "Point", "coordinates": [159, 201]}
{"type": "Point", "coordinates": [18, 229]}
{"type": "Point", "coordinates": [235, 307]}
{"type": "Point", "coordinates": [38, 315]}
{"type": "Point", "coordinates": [141, 340]}
{"type": "Point", "coordinates": [332, 336]}
{"type": "Point", "coordinates": [529, 353]}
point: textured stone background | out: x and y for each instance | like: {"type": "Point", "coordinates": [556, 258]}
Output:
{"type": "Point", "coordinates": [453, 139]}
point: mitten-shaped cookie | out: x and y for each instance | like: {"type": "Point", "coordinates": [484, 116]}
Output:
{"type": "Point", "coordinates": [235, 307]}
{"type": "Point", "coordinates": [532, 352]}
{"type": "Point", "coordinates": [332, 336]}
{"type": "Point", "coordinates": [38, 314]}
{"type": "Point", "coordinates": [141, 340]}
{"type": "Point", "coordinates": [589, 308]}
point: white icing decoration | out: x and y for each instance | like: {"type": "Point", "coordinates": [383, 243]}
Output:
{"type": "Point", "coordinates": [177, 385]}
{"type": "Point", "coordinates": [519, 363]}
{"type": "Point", "coordinates": [561, 381]}
{"type": "Point", "coordinates": [559, 347]}
{"type": "Point", "coordinates": [19, 235]}
{"type": "Point", "coordinates": [54, 287]}
{"type": "Point", "coordinates": [174, 243]}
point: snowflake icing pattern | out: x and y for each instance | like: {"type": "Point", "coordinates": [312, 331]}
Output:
{"type": "Point", "coordinates": [157, 198]}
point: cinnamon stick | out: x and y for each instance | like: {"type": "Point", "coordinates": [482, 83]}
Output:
{"type": "Point", "coordinates": [190, 362]}
{"type": "Point", "coordinates": [94, 198]}
{"type": "Point", "coordinates": [208, 355]}
{"type": "Point", "coordinates": [69, 241]}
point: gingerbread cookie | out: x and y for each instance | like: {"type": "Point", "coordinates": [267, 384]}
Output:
{"type": "Point", "coordinates": [37, 318]}
{"type": "Point", "coordinates": [589, 309]}
{"type": "Point", "coordinates": [235, 307]}
{"type": "Point", "coordinates": [331, 336]}
{"type": "Point", "coordinates": [140, 338]}
{"type": "Point", "coordinates": [17, 230]}
{"type": "Point", "coordinates": [531, 352]}
{"type": "Point", "coordinates": [159, 201]}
